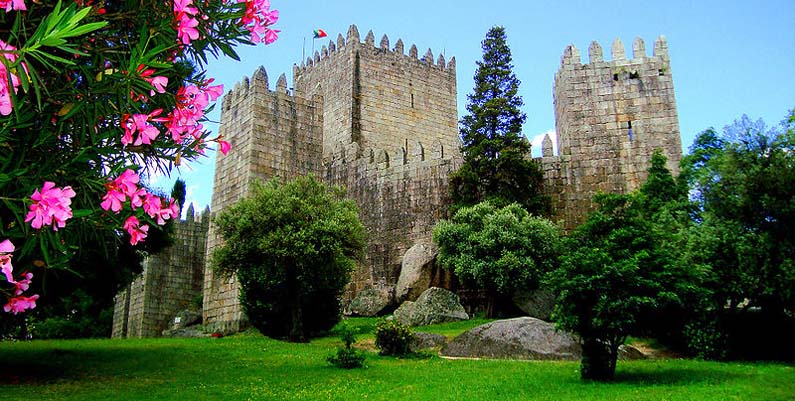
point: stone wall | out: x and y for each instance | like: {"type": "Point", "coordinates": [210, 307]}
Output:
{"type": "Point", "coordinates": [400, 198]}
{"type": "Point", "coordinates": [273, 134]}
{"type": "Point", "coordinates": [171, 281]}
{"type": "Point", "coordinates": [610, 118]}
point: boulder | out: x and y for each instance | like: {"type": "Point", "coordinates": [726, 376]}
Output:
{"type": "Point", "coordinates": [196, 331]}
{"type": "Point", "coordinates": [416, 271]}
{"type": "Point", "coordinates": [370, 302]}
{"type": "Point", "coordinates": [435, 305]}
{"type": "Point", "coordinates": [425, 341]}
{"type": "Point", "coordinates": [519, 338]}
{"type": "Point", "coordinates": [186, 318]}
{"type": "Point", "coordinates": [630, 353]}
{"type": "Point", "coordinates": [537, 304]}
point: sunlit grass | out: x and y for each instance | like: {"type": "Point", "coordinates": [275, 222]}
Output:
{"type": "Point", "coordinates": [250, 366]}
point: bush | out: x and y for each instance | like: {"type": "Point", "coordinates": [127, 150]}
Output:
{"type": "Point", "coordinates": [393, 338]}
{"type": "Point", "coordinates": [292, 247]}
{"type": "Point", "coordinates": [346, 357]}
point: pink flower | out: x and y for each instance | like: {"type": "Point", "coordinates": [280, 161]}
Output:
{"type": "Point", "coordinates": [139, 123]}
{"type": "Point", "coordinates": [9, 5]}
{"type": "Point", "coordinates": [186, 29]}
{"type": "Point", "coordinates": [159, 82]}
{"type": "Point", "coordinates": [7, 51]}
{"type": "Point", "coordinates": [224, 147]}
{"type": "Point", "coordinates": [125, 185]}
{"type": "Point", "coordinates": [6, 247]}
{"type": "Point", "coordinates": [136, 231]}
{"type": "Point", "coordinates": [257, 17]}
{"type": "Point", "coordinates": [152, 205]}
{"type": "Point", "coordinates": [51, 204]}
{"type": "Point", "coordinates": [20, 304]}
{"type": "Point", "coordinates": [24, 284]}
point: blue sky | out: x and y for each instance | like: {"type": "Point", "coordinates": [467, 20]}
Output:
{"type": "Point", "coordinates": [728, 58]}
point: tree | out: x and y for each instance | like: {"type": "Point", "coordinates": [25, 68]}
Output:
{"type": "Point", "coordinates": [622, 267]}
{"type": "Point", "coordinates": [293, 247]}
{"type": "Point", "coordinates": [498, 250]}
{"type": "Point", "coordinates": [497, 164]}
{"type": "Point", "coordinates": [743, 182]}
{"type": "Point", "coordinates": [94, 96]}
{"type": "Point", "coordinates": [178, 192]}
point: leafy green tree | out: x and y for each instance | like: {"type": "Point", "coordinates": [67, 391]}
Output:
{"type": "Point", "coordinates": [178, 192]}
{"type": "Point", "coordinates": [293, 246]}
{"type": "Point", "coordinates": [743, 182]}
{"type": "Point", "coordinates": [625, 269]}
{"type": "Point", "coordinates": [497, 164]}
{"type": "Point", "coordinates": [497, 249]}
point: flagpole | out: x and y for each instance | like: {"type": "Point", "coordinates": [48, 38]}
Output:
{"type": "Point", "coordinates": [303, 51]}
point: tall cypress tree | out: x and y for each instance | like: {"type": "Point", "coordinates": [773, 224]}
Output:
{"type": "Point", "coordinates": [497, 164]}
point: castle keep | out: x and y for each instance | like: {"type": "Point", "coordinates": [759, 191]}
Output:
{"type": "Point", "coordinates": [384, 124]}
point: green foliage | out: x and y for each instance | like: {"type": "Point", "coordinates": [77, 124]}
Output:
{"type": "Point", "coordinates": [497, 164]}
{"type": "Point", "coordinates": [292, 246]}
{"type": "Point", "coordinates": [78, 315]}
{"type": "Point", "coordinates": [705, 340]}
{"type": "Point", "coordinates": [178, 192]}
{"type": "Point", "coordinates": [743, 182]}
{"type": "Point", "coordinates": [393, 338]}
{"type": "Point", "coordinates": [498, 249]}
{"type": "Point", "coordinates": [346, 357]}
{"type": "Point", "coordinates": [623, 269]}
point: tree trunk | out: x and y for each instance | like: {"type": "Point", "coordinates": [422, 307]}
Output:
{"type": "Point", "coordinates": [598, 360]}
{"type": "Point", "coordinates": [297, 331]}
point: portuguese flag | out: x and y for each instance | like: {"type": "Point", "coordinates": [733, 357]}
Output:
{"type": "Point", "coordinates": [319, 33]}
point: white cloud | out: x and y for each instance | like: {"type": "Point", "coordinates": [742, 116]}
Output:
{"type": "Point", "coordinates": [536, 140]}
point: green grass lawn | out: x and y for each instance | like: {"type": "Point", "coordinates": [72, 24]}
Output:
{"type": "Point", "coordinates": [249, 366]}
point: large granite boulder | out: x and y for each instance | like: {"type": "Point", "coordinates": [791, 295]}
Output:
{"type": "Point", "coordinates": [519, 338]}
{"type": "Point", "coordinates": [537, 304]}
{"type": "Point", "coordinates": [416, 271]}
{"type": "Point", "coordinates": [370, 302]}
{"type": "Point", "coordinates": [186, 318]}
{"type": "Point", "coordinates": [424, 341]}
{"type": "Point", "coordinates": [435, 305]}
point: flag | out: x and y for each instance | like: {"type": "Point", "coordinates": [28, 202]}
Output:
{"type": "Point", "coordinates": [319, 33]}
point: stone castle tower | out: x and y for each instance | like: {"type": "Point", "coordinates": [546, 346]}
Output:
{"type": "Point", "coordinates": [381, 123]}
{"type": "Point", "coordinates": [384, 124]}
{"type": "Point", "coordinates": [610, 118]}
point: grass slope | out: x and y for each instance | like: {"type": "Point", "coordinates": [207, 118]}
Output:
{"type": "Point", "coordinates": [249, 366]}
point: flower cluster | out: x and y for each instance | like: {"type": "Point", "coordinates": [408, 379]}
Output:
{"type": "Point", "coordinates": [185, 20]}
{"type": "Point", "coordinates": [125, 187]}
{"type": "Point", "coordinates": [257, 19]}
{"type": "Point", "coordinates": [9, 5]}
{"type": "Point", "coordinates": [18, 302]}
{"type": "Point", "coordinates": [50, 205]}
{"type": "Point", "coordinates": [7, 52]}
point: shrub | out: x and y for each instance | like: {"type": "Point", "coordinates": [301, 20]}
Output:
{"type": "Point", "coordinates": [292, 246]}
{"type": "Point", "coordinates": [393, 338]}
{"type": "Point", "coordinates": [346, 357]}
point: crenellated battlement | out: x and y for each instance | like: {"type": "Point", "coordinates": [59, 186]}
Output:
{"type": "Point", "coordinates": [353, 43]}
{"type": "Point", "coordinates": [383, 160]}
{"type": "Point", "coordinates": [571, 55]}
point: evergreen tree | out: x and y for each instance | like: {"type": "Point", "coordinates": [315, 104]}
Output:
{"type": "Point", "coordinates": [497, 164]}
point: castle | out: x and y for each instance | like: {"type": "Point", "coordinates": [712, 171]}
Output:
{"type": "Point", "coordinates": [384, 124]}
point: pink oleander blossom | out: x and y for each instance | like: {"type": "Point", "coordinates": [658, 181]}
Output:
{"type": "Point", "coordinates": [119, 189]}
{"type": "Point", "coordinates": [137, 231]}
{"type": "Point", "coordinates": [6, 103]}
{"type": "Point", "coordinates": [9, 5]}
{"type": "Point", "coordinates": [23, 284]}
{"type": "Point", "coordinates": [6, 247]}
{"type": "Point", "coordinates": [20, 304]}
{"type": "Point", "coordinates": [50, 205]}
{"type": "Point", "coordinates": [184, 18]}
{"type": "Point", "coordinates": [139, 124]}
{"type": "Point", "coordinates": [224, 147]}
{"type": "Point", "coordinates": [257, 18]}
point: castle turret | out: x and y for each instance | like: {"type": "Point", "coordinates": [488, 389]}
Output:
{"type": "Point", "coordinates": [610, 117]}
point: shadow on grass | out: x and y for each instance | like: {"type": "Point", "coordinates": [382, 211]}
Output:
{"type": "Point", "coordinates": [34, 366]}
{"type": "Point", "coordinates": [674, 376]}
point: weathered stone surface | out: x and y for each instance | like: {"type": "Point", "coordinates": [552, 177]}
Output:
{"type": "Point", "coordinates": [519, 338]}
{"type": "Point", "coordinates": [186, 318]}
{"type": "Point", "coordinates": [537, 304]}
{"type": "Point", "coordinates": [435, 305]}
{"type": "Point", "coordinates": [371, 302]}
{"type": "Point", "coordinates": [416, 271]}
{"type": "Point", "coordinates": [425, 341]}
{"type": "Point", "coordinates": [630, 353]}
{"type": "Point", "coordinates": [188, 332]}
